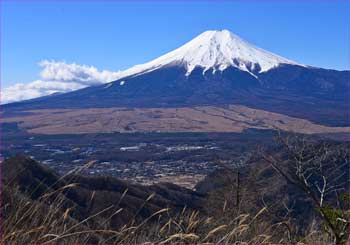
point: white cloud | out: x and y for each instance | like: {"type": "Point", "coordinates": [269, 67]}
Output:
{"type": "Point", "coordinates": [57, 77]}
{"type": "Point", "coordinates": [35, 89]}
{"type": "Point", "coordinates": [87, 75]}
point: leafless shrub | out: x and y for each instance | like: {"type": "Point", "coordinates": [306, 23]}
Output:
{"type": "Point", "coordinates": [320, 170]}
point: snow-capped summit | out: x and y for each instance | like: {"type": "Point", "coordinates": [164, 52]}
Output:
{"type": "Point", "coordinates": [215, 50]}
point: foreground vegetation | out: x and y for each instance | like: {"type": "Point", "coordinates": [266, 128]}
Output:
{"type": "Point", "coordinates": [294, 193]}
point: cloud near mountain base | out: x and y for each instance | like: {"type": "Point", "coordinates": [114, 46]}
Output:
{"type": "Point", "coordinates": [57, 77]}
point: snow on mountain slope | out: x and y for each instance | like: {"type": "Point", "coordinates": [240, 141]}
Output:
{"type": "Point", "coordinates": [215, 50]}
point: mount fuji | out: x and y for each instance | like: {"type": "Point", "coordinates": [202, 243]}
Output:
{"type": "Point", "coordinates": [215, 50]}
{"type": "Point", "coordinates": [216, 68]}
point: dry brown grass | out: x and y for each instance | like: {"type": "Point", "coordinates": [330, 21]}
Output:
{"type": "Point", "coordinates": [32, 222]}
{"type": "Point", "coordinates": [234, 118]}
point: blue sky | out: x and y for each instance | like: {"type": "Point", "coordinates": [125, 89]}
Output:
{"type": "Point", "coordinates": [115, 35]}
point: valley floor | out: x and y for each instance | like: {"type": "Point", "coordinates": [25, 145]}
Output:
{"type": "Point", "coordinates": [233, 118]}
